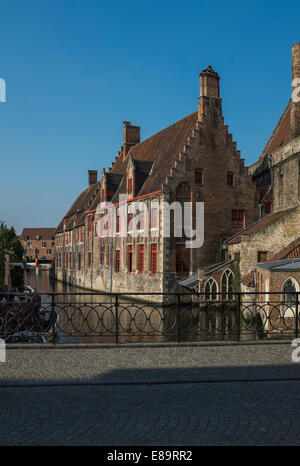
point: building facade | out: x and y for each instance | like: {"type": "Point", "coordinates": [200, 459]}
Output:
{"type": "Point", "coordinates": [274, 235]}
{"type": "Point", "coordinates": [40, 241]}
{"type": "Point", "coordinates": [192, 161]}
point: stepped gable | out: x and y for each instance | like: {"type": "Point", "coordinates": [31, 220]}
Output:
{"type": "Point", "coordinates": [160, 150]}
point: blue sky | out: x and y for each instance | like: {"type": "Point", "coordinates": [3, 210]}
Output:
{"type": "Point", "coordinates": [75, 69]}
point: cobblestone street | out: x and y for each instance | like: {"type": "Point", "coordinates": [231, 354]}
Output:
{"type": "Point", "coordinates": [202, 395]}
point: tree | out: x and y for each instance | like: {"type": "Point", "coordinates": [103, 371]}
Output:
{"type": "Point", "coordinates": [10, 244]}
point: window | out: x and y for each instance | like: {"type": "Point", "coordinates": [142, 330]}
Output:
{"type": "Point", "coordinates": [262, 256]}
{"type": "Point", "coordinates": [238, 219]}
{"type": "Point", "coordinates": [211, 290]}
{"type": "Point", "coordinates": [102, 255]}
{"type": "Point", "coordinates": [49, 252]}
{"type": "Point", "coordinates": [71, 259]}
{"type": "Point", "coordinates": [81, 234]}
{"type": "Point", "coordinates": [117, 260]}
{"type": "Point", "coordinates": [141, 222]}
{"type": "Point", "coordinates": [130, 222]}
{"type": "Point", "coordinates": [102, 195]}
{"type": "Point", "coordinates": [108, 258]}
{"type": "Point", "coordinates": [79, 260]}
{"type": "Point", "coordinates": [129, 264]}
{"type": "Point", "coordinates": [141, 258]}
{"type": "Point", "coordinates": [227, 279]}
{"type": "Point", "coordinates": [96, 233]}
{"type": "Point", "coordinates": [182, 261]}
{"type": "Point", "coordinates": [154, 218]}
{"type": "Point", "coordinates": [43, 244]}
{"type": "Point", "coordinates": [288, 300]}
{"type": "Point", "coordinates": [198, 176]}
{"type": "Point", "coordinates": [230, 176]}
{"type": "Point", "coordinates": [130, 186]}
{"type": "Point", "coordinates": [153, 258]}
{"type": "Point", "coordinates": [118, 224]}
{"type": "Point", "coordinates": [90, 259]}
{"type": "Point", "coordinates": [90, 226]}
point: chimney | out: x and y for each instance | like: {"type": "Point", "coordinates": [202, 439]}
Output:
{"type": "Point", "coordinates": [131, 136]}
{"type": "Point", "coordinates": [93, 177]}
{"type": "Point", "coordinates": [295, 110]}
{"type": "Point", "coordinates": [209, 92]}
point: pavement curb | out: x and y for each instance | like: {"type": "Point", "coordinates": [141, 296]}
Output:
{"type": "Point", "coordinates": [46, 346]}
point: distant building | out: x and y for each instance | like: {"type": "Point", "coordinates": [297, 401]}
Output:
{"type": "Point", "coordinates": [42, 239]}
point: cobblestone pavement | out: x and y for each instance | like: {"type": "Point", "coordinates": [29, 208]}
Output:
{"type": "Point", "coordinates": [151, 396]}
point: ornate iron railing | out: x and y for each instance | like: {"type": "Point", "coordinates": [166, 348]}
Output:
{"type": "Point", "coordinates": [140, 317]}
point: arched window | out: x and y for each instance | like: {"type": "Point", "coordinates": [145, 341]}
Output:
{"type": "Point", "coordinates": [288, 297]}
{"type": "Point", "coordinates": [211, 289]}
{"type": "Point", "coordinates": [227, 279]}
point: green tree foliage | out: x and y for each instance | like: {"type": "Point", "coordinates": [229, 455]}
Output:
{"type": "Point", "coordinates": [10, 244]}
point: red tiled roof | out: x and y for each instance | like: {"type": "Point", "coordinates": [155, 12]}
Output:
{"type": "Point", "coordinates": [290, 251]}
{"type": "Point", "coordinates": [162, 148]}
{"type": "Point", "coordinates": [281, 134]}
{"type": "Point", "coordinates": [259, 224]}
{"type": "Point", "coordinates": [44, 233]}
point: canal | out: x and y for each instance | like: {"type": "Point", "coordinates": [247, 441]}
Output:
{"type": "Point", "coordinates": [84, 316]}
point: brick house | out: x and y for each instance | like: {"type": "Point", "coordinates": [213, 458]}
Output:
{"type": "Point", "coordinates": [276, 177]}
{"type": "Point", "coordinates": [193, 160]}
{"type": "Point", "coordinates": [42, 239]}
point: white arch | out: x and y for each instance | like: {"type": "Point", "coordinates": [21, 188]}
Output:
{"type": "Point", "coordinates": [210, 283]}
{"type": "Point", "coordinates": [291, 309]}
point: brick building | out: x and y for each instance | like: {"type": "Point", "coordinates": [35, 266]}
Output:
{"type": "Point", "coordinates": [193, 160]}
{"type": "Point", "coordinates": [274, 235]}
{"type": "Point", "coordinates": [40, 239]}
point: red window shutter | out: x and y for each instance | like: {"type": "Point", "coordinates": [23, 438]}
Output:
{"type": "Point", "coordinates": [238, 219]}
{"type": "Point", "coordinates": [129, 259]}
{"type": "Point", "coordinates": [153, 258]}
{"type": "Point", "coordinates": [182, 261]}
{"type": "Point", "coordinates": [141, 258]}
{"type": "Point", "coordinates": [90, 224]}
{"type": "Point", "coordinates": [117, 261]}
{"type": "Point", "coordinates": [130, 222]}
{"type": "Point", "coordinates": [102, 195]}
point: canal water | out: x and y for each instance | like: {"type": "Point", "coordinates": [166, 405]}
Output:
{"type": "Point", "coordinates": [93, 318]}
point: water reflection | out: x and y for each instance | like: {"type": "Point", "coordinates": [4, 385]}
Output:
{"type": "Point", "coordinates": [100, 318]}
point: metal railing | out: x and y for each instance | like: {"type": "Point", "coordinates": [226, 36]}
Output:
{"type": "Point", "coordinates": [142, 317]}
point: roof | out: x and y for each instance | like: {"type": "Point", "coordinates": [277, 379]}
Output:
{"type": "Point", "coordinates": [161, 149]}
{"type": "Point", "coordinates": [44, 233]}
{"type": "Point", "coordinates": [257, 225]}
{"type": "Point", "coordinates": [281, 134]}
{"type": "Point", "coordinates": [290, 251]}
{"type": "Point", "coordinates": [281, 265]}
{"type": "Point", "coordinates": [77, 210]}
{"type": "Point", "coordinates": [190, 282]}
{"type": "Point", "coordinates": [214, 267]}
